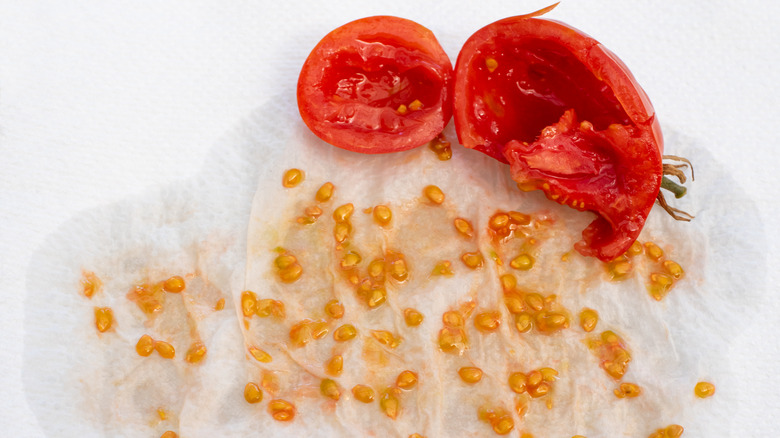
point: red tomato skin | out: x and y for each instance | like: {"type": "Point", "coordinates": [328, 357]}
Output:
{"type": "Point", "coordinates": [355, 79]}
{"type": "Point", "coordinates": [550, 157]}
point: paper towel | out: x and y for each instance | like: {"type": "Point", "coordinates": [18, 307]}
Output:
{"type": "Point", "coordinates": [221, 231]}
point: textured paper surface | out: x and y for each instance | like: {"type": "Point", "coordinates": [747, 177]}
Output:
{"type": "Point", "coordinates": [100, 386]}
{"type": "Point", "coordinates": [105, 102]}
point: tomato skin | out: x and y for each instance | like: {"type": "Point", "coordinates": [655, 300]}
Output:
{"type": "Point", "coordinates": [569, 118]}
{"type": "Point", "coordinates": [357, 78]}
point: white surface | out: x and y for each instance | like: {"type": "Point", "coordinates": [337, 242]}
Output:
{"type": "Point", "coordinates": [103, 101]}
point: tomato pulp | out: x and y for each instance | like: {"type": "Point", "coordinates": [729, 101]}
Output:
{"type": "Point", "coordinates": [376, 85]}
{"type": "Point", "coordinates": [568, 117]}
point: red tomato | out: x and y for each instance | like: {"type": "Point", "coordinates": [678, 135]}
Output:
{"type": "Point", "coordinates": [569, 118]}
{"type": "Point", "coordinates": [376, 85]}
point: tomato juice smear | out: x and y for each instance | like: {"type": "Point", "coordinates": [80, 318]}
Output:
{"type": "Point", "coordinates": [338, 250]}
{"type": "Point", "coordinates": [502, 308]}
{"type": "Point", "coordinates": [535, 82]}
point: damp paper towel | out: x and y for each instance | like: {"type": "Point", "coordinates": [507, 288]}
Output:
{"type": "Point", "coordinates": [223, 231]}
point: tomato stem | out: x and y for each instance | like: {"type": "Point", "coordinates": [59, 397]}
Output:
{"type": "Point", "coordinates": [678, 190]}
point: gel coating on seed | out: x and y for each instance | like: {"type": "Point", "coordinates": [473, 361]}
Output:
{"type": "Point", "coordinates": [281, 410]}
{"type": "Point", "coordinates": [252, 393]}
{"type": "Point", "coordinates": [363, 393]}
{"type": "Point", "coordinates": [406, 380]}
{"type": "Point", "coordinates": [292, 178]}
{"type": "Point", "coordinates": [90, 284]}
{"type": "Point", "coordinates": [145, 346]}
{"type": "Point", "coordinates": [704, 389]}
{"type": "Point", "coordinates": [196, 353]}
{"type": "Point", "coordinates": [104, 319]}
{"type": "Point", "coordinates": [470, 374]}
{"type": "Point", "coordinates": [174, 284]}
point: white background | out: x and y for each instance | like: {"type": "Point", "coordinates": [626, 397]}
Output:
{"type": "Point", "coordinates": [104, 100]}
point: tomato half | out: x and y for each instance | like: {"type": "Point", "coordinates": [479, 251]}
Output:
{"type": "Point", "coordinates": [376, 85]}
{"type": "Point", "coordinates": [569, 118]}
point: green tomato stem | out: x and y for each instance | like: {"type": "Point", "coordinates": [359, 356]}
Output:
{"type": "Point", "coordinates": [678, 190]}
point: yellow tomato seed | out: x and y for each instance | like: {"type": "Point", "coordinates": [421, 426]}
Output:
{"type": "Point", "coordinates": [325, 192]}
{"type": "Point", "coordinates": [470, 375]}
{"type": "Point", "coordinates": [145, 346]}
{"type": "Point", "coordinates": [345, 333]}
{"type": "Point", "coordinates": [343, 213]}
{"type": "Point", "coordinates": [164, 349]}
{"type": "Point", "coordinates": [464, 227]}
{"type": "Point", "coordinates": [487, 321]}
{"type": "Point", "coordinates": [704, 389]}
{"type": "Point", "coordinates": [363, 393]}
{"type": "Point", "coordinates": [412, 317]}
{"type": "Point", "coordinates": [252, 393]}
{"type": "Point", "coordinates": [523, 262]}
{"type": "Point", "coordinates": [281, 410]}
{"type": "Point", "coordinates": [174, 284]}
{"type": "Point", "coordinates": [383, 215]}
{"type": "Point", "coordinates": [434, 194]}
{"type": "Point", "coordinates": [292, 178]}
{"type": "Point", "coordinates": [104, 318]}
{"type": "Point", "coordinates": [196, 353]}
{"type": "Point", "coordinates": [472, 260]}
{"type": "Point", "coordinates": [260, 355]}
{"type": "Point", "coordinates": [406, 380]}
{"type": "Point", "coordinates": [330, 389]}
{"type": "Point", "coordinates": [334, 366]}
{"type": "Point", "coordinates": [248, 303]}
{"type": "Point", "coordinates": [588, 319]}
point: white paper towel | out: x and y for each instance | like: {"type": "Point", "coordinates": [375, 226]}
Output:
{"type": "Point", "coordinates": [99, 386]}
{"type": "Point", "coordinates": [57, 97]}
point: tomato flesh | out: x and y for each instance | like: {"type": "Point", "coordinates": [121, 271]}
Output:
{"type": "Point", "coordinates": [570, 120]}
{"type": "Point", "coordinates": [377, 85]}
{"type": "Point", "coordinates": [545, 80]}
{"type": "Point", "coordinates": [370, 93]}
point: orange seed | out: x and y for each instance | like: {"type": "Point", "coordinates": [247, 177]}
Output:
{"type": "Point", "coordinates": [334, 366]}
{"type": "Point", "coordinates": [164, 349]}
{"type": "Point", "coordinates": [433, 194]}
{"type": "Point", "coordinates": [248, 303]}
{"type": "Point", "coordinates": [292, 178]}
{"type": "Point", "coordinates": [464, 227]}
{"type": "Point", "coordinates": [363, 393]}
{"type": "Point", "coordinates": [196, 352]}
{"type": "Point", "coordinates": [487, 321]}
{"type": "Point", "coordinates": [470, 374]}
{"type": "Point", "coordinates": [473, 260]}
{"type": "Point", "coordinates": [281, 410]}
{"type": "Point", "coordinates": [174, 284]}
{"type": "Point", "coordinates": [345, 333]}
{"type": "Point", "coordinates": [90, 284]}
{"type": "Point", "coordinates": [334, 309]}
{"type": "Point", "coordinates": [330, 389]}
{"type": "Point", "coordinates": [406, 380]}
{"type": "Point", "coordinates": [145, 346]}
{"type": "Point", "coordinates": [325, 192]}
{"type": "Point", "coordinates": [704, 389]}
{"type": "Point", "coordinates": [588, 319]}
{"type": "Point", "coordinates": [104, 318]}
{"type": "Point", "coordinates": [412, 317]}
{"type": "Point", "coordinates": [260, 355]}
{"type": "Point", "coordinates": [253, 393]}
{"type": "Point", "coordinates": [383, 215]}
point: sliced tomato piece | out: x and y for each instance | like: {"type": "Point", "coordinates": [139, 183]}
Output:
{"type": "Point", "coordinates": [569, 118]}
{"type": "Point", "coordinates": [377, 85]}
